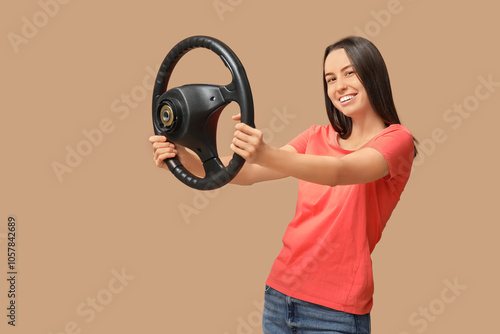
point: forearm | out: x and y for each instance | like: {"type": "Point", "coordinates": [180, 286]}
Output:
{"type": "Point", "coordinates": [253, 173]}
{"type": "Point", "coordinates": [312, 168]}
{"type": "Point", "coordinates": [191, 161]}
{"type": "Point", "coordinates": [248, 175]}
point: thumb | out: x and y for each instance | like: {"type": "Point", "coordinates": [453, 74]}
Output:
{"type": "Point", "coordinates": [236, 117]}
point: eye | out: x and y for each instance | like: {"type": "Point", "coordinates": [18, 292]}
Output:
{"type": "Point", "coordinates": [349, 73]}
{"type": "Point", "coordinates": [330, 80]}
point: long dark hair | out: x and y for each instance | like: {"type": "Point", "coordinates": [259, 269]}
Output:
{"type": "Point", "coordinates": [372, 72]}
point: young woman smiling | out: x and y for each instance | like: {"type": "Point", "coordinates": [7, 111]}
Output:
{"type": "Point", "coordinates": [351, 174]}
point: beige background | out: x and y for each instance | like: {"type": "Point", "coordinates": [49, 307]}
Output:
{"type": "Point", "coordinates": [204, 271]}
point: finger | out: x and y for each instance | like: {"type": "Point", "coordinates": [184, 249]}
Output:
{"type": "Point", "coordinates": [163, 153]}
{"type": "Point", "coordinates": [240, 144]}
{"type": "Point", "coordinates": [239, 151]}
{"type": "Point", "coordinates": [247, 129]}
{"type": "Point", "coordinates": [236, 117]}
{"type": "Point", "coordinates": [157, 145]}
{"type": "Point", "coordinates": [166, 155]}
{"type": "Point", "coordinates": [241, 140]}
{"type": "Point", "coordinates": [252, 138]}
{"type": "Point", "coordinates": [155, 139]}
{"type": "Point", "coordinates": [244, 145]}
{"type": "Point", "coordinates": [160, 160]}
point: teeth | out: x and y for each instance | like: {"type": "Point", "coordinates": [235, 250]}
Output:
{"type": "Point", "coordinates": [346, 98]}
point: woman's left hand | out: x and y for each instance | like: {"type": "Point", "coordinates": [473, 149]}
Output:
{"type": "Point", "coordinates": [249, 144]}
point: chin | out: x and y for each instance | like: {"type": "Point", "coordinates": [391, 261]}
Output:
{"type": "Point", "coordinates": [347, 113]}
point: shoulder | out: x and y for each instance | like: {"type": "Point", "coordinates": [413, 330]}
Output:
{"type": "Point", "coordinates": [395, 135]}
{"type": "Point", "coordinates": [396, 130]}
{"type": "Point", "coordinates": [326, 130]}
{"type": "Point", "coordinates": [396, 144]}
{"type": "Point", "coordinates": [318, 130]}
{"type": "Point", "coordinates": [313, 136]}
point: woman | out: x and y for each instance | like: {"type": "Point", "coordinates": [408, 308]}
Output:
{"type": "Point", "coordinates": [351, 176]}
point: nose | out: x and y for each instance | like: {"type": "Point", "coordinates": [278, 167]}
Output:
{"type": "Point", "coordinates": [340, 85]}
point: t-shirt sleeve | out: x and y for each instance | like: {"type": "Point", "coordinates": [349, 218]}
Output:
{"type": "Point", "coordinates": [397, 147]}
{"type": "Point", "coordinates": [300, 142]}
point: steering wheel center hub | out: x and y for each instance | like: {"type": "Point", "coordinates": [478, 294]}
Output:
{"type": "Point", "coordinates": [167, 115]}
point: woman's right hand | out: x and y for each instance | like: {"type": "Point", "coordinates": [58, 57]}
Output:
{"type": "Point", "coordinates": [162, 149]}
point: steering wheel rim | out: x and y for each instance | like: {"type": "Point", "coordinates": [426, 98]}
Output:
{"type": "Point", "coordinates": [188, 115]}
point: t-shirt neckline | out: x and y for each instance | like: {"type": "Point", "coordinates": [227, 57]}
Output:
{"type": "Point", "coordinates": [337, 136]}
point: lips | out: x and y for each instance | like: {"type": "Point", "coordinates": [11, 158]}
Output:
{"type": "Point", "coordinates": [347, 98]}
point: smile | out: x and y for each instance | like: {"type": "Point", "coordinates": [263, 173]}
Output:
{"type": "Point", "coordinates": [347, 98]}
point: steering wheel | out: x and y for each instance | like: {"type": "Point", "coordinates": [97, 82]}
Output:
{"type": "Point", "coordinates": [188, 115]}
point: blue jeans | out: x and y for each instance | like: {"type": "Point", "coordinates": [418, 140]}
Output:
{"type": "Point", "coordinates": [287, 315]}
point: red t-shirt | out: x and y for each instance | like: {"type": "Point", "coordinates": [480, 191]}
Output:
{"type": "Point", "coordinates": [326, 254]}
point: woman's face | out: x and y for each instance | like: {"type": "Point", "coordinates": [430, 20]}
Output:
{"type": "Point", "coordinates": [345, 90]}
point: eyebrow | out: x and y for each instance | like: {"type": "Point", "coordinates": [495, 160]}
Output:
{"type": "Point", "coordinates": [342, 69]}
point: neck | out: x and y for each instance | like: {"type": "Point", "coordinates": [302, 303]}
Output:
{"type": "Point", "coordinates": [363, 129]}
{"type": "Point", "coordinates": [366, 127]}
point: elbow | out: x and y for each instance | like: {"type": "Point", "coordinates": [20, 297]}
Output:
{"type": "Point", "coordinates": [241, 180]}
{"type": "Point", "coordinates": [335, 176]}
{"type": "Point", "coordinates": [241, 183]}
{"type": "Point", "coordinates": [333, 181]}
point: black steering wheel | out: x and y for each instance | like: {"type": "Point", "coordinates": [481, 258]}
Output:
{"type": "Point", "coordinates": [188, 115]}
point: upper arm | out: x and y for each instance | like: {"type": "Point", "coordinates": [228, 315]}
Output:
{"type": "Point", "coordinates": [389, 154]}
{"type": "Point", "coordinates": [363, 166]}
